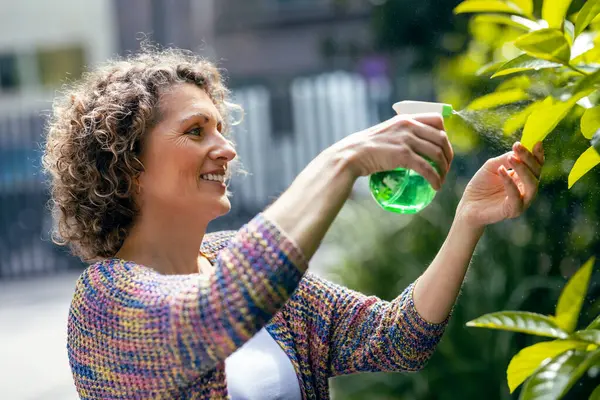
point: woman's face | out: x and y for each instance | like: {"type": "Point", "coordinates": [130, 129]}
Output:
{"type": "Point", "coordinates": [186, 157]}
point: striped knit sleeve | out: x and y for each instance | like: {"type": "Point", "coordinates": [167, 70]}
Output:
{"type": "Point", "coordinates": [370, 334]}
{"type": "Point", "coordinates": [350, 332]}
{"type": "Point", "coordinates": [179, 327]}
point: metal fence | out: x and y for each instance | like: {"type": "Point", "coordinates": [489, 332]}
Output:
{"type": "Point", "coordinates": [322, 109]}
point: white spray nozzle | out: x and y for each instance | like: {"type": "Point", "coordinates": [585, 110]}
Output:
{"type": "Point", "coordinates": [418, 107]}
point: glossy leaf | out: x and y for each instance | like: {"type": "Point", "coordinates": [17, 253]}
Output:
{"type": "Point", "coordinates": [554, 12]}
{"type": "Point", "coordinates": [572, 297]}
{"type": "Point", "coordinates": [525, 5]}
{"type": "Point", "coordinates": [586, 161]}
{"type": "Point", "coordinates": [588, 82]}
{"type": "Point", "coordinates": [520, 81]}
{"type": "Point", "coordinates": [590, 122]}
{"type": "Point", "coordinates": [526, 361]}
{"type": "Point", "coordinates": [477, 6]}
{"type": "Point", "coordinates": [595, 324]}
{"type": "Point", "coordinates": [547, 44]}
{"type": "Point", "coordinates": [588, 335]}
{"type": "Point", "coordinates": [555, 378]}
{"type": "Point", "coordinates": [595, 142]}
{"type": "Point", "coordinates": [582, 44]}
{"type": "Point", "coordinates": [497, 99]}
{"type": "Point", "coordinates": [590, 56]}
{"type": "Point", "coordinates": [510, 20]}
{"type": "Point", "coordinates": [518, 120]}
{"type": "Point", "coordinates": [588, 12]}
{"type": "Point", "coordinates": [520, 321]}
{"type": "Point", "coordinates": [524, 62]}
{"type": "Point", "coordinates": [595, 394]}
{"type": "Point", "coordinates": [489, 69]}
{"type": "Point", "coordinates": [569, 29]}
{"type": "Point", "coordinates": [543, 120]}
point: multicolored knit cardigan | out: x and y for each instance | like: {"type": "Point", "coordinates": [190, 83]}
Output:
{"type": "Point", "coordinates": [136, 334]}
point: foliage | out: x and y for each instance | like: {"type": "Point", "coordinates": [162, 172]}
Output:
{"type": "Point", "coordinates": [550, 369]}
{"type": "Point", "coordinates": [552, 65]}
{"type": "Point", "coordinates": [519, 264]}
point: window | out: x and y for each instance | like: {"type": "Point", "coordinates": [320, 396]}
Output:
{"type": "Point", "coordinates": [55, 65]}
{"type": "Point", "coordinates": [9, 74]}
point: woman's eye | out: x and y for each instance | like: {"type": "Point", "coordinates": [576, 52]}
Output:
{"type": "Point", "coordinates": [196, 132]}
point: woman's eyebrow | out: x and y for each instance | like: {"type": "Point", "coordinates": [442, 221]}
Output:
{"type": "Point", "coordinates": [199, 114]}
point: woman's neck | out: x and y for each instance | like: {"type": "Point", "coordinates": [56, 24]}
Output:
{"type": "Point", "coordinates": [168, 242]}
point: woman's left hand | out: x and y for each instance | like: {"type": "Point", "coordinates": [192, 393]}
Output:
{"type": "Point", "coordinates": [503, 187]}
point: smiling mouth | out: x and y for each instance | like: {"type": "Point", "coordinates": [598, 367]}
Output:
{"type": "Point", "coordinates": [214, 178]}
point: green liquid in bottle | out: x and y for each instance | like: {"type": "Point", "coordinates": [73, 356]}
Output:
{"type": "Point", "coordinates": [401, 191]}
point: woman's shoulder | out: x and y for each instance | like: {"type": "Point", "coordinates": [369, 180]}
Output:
{"type": "Point", "coordinates": [215, 241]}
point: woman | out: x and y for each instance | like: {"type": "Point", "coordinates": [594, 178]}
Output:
{"type": "Point", "coordinates": [139, 158]}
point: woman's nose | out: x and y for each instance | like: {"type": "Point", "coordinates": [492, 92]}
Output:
{"type": "Point", "coordinates": [223, 150]}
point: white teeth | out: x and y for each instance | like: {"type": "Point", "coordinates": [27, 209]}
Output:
{"type": "Point", "coordinates": [213, 177]}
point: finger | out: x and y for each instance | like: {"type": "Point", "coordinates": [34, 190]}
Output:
{"type": "Point", "coordinates": [526, 176]}
{"type": "Point", "coordinates": [528, 159]}
{"type": "Point", "coordinates": [514, 202]}
{"type": "Point", "coordinates": [434, 120]}
{"type": "Point", "coordinates": [430, 151]}
{"type": "Point", "coordinates": [431, 134]}
{"type": "Point", "coordinates": [538, 152]}
{"type": "Point", "coordinates": [424, 168]}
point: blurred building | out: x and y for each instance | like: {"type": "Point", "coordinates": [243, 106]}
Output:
{"type": "Point", "coordinates": [41, 43]}
{"type": "Point", "coordinates": [253, 39]}
{"type": "Point", "coordinates": [296, 66]}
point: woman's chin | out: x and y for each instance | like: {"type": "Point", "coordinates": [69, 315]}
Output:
{"type": "Point", "coordinates": [224, 205]}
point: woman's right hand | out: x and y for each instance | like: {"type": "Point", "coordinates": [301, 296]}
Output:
{"type": "Point", "coordinates": [402, 141]}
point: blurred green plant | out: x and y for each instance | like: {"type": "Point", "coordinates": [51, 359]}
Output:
{"type": "Point", "coordinates": [549, 369]}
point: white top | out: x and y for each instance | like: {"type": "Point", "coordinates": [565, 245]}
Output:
{"type": "Point", "coordinates": [260, 369]}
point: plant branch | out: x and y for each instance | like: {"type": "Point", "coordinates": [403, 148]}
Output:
{"type": "Point", "coordinates": [578, 70]}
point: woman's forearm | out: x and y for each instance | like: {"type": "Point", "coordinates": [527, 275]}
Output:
{"type": "Point", "coordinates": [437, 289]}
{"type": "Point", "coordinates": [306, 210]}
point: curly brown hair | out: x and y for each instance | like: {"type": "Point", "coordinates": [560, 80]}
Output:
{"type": "Point", "coordinates": [94, 139]}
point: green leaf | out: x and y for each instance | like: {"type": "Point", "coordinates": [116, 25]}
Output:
{"type": "Point", "coordinates": [547, 44]}
{"type": "Point", "coordinates": [555, 378]}
{"type": "Point", "coordinates": [572, 297]}
{"type": "Point", "coordinates": [497, 99]}
{"type": "Point", "coordinates": [480, 6]}
{"type": "Point", "coordinates": [554, 11]}
{"type": "Point", "coordinates": [588, 82]}
{"type": "Point", "coordinates": [595, 324]}
{"type": "Point", "coordinates": [590, 56]}
{"type": "Point", "coordinates": [524, 62]}
{"type": "Point", "coordinates": [588, 335]}
{"type": "Point", "coordinates": [510, 20]}
{"type": "Point", "coordinates": [595, 394]}
{"type": "Point", "coordinates": [590, 122]}
{"type": "Point", "coordinates": [525, 5]}
{"type": "Point", "coordinates": [588, 12]}
{"type": "Point", "coordinates": [489, 68]}
{"type": "Point", "coordinates": [582, 44]}
{"type": "Point", "coordinates": [517, 120]}
{"type": "Point", "coordinates": [544, 119]}
{"type": "Point", "coordinates": [521, 81]}
{"type": "Point", "coordinates": [520, 321]}
{"type": "Point", "coordinates": [569, 29]}
{"type": "Point", "coordinates": [526, 361]}
{"type": "Point", "coordinates": [586, 161]}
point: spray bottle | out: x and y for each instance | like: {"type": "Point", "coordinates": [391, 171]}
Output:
{"type": "Point", "coordinates": [402, 190]}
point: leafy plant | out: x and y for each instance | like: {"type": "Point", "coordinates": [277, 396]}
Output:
{"type": "Point", "coordinates": [550, 369]}
{"type": "Point", "coordinates": [563, 49]}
